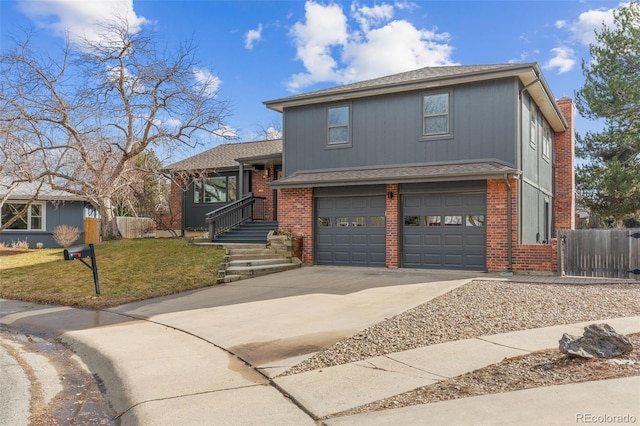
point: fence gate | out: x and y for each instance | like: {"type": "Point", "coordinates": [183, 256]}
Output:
{"type": "Point", "coordinates": [611, 253]}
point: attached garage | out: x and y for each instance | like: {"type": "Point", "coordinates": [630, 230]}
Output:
{"type": "Point", "coordinates": [443, 226]}
{"type": "Point", "coordinates": [350, 228]}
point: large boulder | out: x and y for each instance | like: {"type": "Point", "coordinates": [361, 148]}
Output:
{"type": "Point", "coordinates": [598, 341]}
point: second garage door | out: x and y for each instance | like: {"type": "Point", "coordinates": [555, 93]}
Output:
{"type": "Point", "coordinates": [445, 231]}
{"type": "Point", "coordinates": [350, 230]}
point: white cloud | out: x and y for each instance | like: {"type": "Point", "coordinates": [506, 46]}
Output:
{"type": "Point", "coordinates": [334, 49]}
{"type": "Point", "coordinates": [252, 36]}
{"type": "Point", "coordinates": [82, 20]}
{"type": "Point", "coordinates": [563, 59]}
{"type": "Point", "coordinates": [583, 29]}
{"type": "Point", "coordinates": [206, 82]}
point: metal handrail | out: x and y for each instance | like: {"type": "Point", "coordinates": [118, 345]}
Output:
{"type": "Point", "coordinates": [241, 211]}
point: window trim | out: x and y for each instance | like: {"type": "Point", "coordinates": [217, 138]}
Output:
{"type": "Point", "coordinates": [43, 216]}
{"type": "Point", "coordinates": [338, 145]}
{"type": "Point", "coordinates": [449, 114]}
{"type": "Point", "coordinates": [199, 187]}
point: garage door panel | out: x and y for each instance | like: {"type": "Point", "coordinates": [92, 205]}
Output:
{"type": "Point", "coordinates": [461, 244]}
{"type": "Point", "coordinates": [357, 243]}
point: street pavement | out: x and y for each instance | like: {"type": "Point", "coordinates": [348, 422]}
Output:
{"type": "Point", "coordinates": [213, 356]}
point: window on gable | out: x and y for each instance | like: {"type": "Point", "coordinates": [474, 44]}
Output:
{"type": "Point", "coordinates": [338, 125]}
{"type": "Point", "coordinates": [436, 114]}
{"type": "Point", "coordinates": [218, 189]}
{"type": "Point", "coordinates": [31, 219]}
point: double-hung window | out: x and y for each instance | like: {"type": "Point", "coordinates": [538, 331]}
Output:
{"type": "Point", "coordinates": [533, 124]}
{"type": "Point", "coordinates": [218, 189]}
{"type": "Point", "coordinates": [29, 218]}
{"type": "Point", "coordinates": [436, 114]}
{"type": "Point", "coordinates": [338, 126]}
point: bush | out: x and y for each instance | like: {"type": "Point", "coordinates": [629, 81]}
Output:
{"type": "Point", "coordinates": [20, 244]}
{"type": "Point", "coordinates": [65, 235]}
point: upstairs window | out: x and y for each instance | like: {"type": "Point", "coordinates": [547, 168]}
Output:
{"type": "Point", "coordinates": [218, 189]}
{"type": "Point", "coordinates": [30, 218]}
{"type": "Point", "coordinates": [533, 124]}
{"type": "Point", "coordinates": [338, 126]}
{"type": "Point", "coordinates": [436, 114]}
{"type": "Point", "coordinates": [546, 141]}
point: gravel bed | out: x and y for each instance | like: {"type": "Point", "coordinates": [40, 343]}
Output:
{"type": "Point", "coordinates": [481, 308]}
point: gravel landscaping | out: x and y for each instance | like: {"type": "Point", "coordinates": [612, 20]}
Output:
{"type": "Point", "coordinates": [481, 308]}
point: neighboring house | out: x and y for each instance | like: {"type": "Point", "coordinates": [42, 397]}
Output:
{"type": "Point", "coordinates": [458, 167]}
{"type": "Point", "coordinates": [50, 209]}
{"type": "Point", "coordinates": [220, 176]}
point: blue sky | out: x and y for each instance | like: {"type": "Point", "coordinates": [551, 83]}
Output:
{"type": "Point", "coordinates": [261, 50]}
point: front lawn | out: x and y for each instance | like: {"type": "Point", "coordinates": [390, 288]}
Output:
{"type": "Point", "coordinates": [128, 270]}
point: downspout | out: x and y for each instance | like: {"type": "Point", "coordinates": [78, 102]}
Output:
{"type": "Point", "coordinates": [509, 224]}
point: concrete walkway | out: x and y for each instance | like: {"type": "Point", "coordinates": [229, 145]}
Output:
{"type": "Point", "coordinates": [212, 356]}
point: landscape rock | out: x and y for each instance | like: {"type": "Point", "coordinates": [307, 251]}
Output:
{"type": "Point", "coordinates": [598, 341]}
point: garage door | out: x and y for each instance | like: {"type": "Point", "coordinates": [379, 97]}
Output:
{"type": "Point", "coordinates": [445, 231]}
{"type": "Point", "coordinates": [350, 231]}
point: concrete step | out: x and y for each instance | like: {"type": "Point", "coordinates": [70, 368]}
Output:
{"type": "Point", "coordinates": [259, 262]}
{"type": "Point", "coordinates": [254, 271]}
{"type": "Point", "coordinates": [250, 256]}
{"type": "Point", "coordinates": [249, 251]}
{"type": "Point", "coordinates": [229, 278]}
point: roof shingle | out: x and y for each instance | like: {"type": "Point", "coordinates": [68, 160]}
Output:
{"type": "Point", "coordinates": [225, 155]}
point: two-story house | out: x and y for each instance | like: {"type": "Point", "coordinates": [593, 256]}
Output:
{"type": "Point", "coordinates": [459, 167]}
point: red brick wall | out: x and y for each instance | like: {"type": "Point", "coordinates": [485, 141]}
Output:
{"type": "Point", "coordinates": [565, 194]}
{"type": "Point", "coordinates": [261, 188]}
{"type": "Point", "coordinates": [295, 213]}
{"type": "Point", "coordinates": [497, 223]}
{"type": "Point", "coordinates": [393, 225]}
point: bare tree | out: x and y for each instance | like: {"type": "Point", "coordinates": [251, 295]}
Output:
{"type": "Point", "coordinates": [91, 111]}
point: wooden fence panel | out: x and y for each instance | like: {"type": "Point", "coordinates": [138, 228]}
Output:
{"type": "Point", "coordinates": [91, 230]}
{"type": "Point", "coordinates": [611, 253]}
{"type": "Point", "coordinates": [136, 227]}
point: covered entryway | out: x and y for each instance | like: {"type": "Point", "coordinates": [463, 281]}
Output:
{"type": "Point", "coordinates": [444, 230]}
{"type": "Point", "coordinates": [350, 228]}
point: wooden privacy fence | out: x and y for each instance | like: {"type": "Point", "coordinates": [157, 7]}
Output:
{"type": "Point", "coordinates": [611, 253]}
{"type": "Point", "coordinates": [91, 230]}
{"type": "Point", "coordinates": [136, 227]}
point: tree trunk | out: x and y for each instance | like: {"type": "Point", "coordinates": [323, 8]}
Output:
{"type": "Point", "coordinates": [108, 222]}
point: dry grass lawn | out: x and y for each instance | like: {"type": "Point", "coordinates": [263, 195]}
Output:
{"type": "Point", "coordinates": [128, 270]}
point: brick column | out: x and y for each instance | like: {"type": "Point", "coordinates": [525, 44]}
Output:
{"type": "Point", "coordinates": [564, 207]}
{"type": "Point", "coordinates": [392, 224]}
{"type": "Point", "coordinates": [497, 223]}
{"type": "Point", "coordinates": [260, 187]}
{"type": "Point", "coordinates": [295, 213]}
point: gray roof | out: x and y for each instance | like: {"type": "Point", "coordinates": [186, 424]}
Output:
{"type": "Point", "coordinates": [26, 190]}
{"type": "Point", "coordinates": [528, 73]}
{"type": "Point", "coordinates": [481, 170]}
{"type": "Point", "coordinates": [225, 156]}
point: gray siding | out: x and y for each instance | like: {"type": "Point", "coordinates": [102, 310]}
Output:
{"type": "Point", "coordinates": [387, 130]}
{"type": "Point", "coordinates": [536, 181]}
{"type": "Point", "coordinates": [68, 213]}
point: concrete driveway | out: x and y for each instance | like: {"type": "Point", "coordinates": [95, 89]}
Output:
{"type": "Point", "coordinates": [289, 315]}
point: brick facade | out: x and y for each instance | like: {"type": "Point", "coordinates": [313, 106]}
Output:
{"type": "Point", "coordinates": [393, 226]}
{"type": "Point", "coordinates": [565, 195]}
{"type": "Point", "coordinates": [295, 213]}
{"type": "Point", "coordinates": [260, 187]}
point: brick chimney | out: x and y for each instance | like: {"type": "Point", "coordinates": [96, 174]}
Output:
{"type": "Point", "coordinates": [564, 173]}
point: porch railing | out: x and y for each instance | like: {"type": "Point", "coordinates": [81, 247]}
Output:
{"type": "Point", "coordinates": [246, 209]}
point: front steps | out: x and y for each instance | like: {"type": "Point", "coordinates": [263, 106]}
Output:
{"type": "Point", "coordinates": [251, 260]}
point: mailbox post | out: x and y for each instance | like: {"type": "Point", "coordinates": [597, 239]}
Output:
{"type": "Point", "coordinates": [85, 252]}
